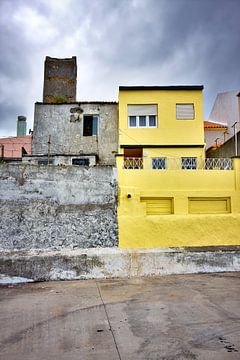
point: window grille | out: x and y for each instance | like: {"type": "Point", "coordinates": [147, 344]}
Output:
{"type": "Point", "coordinates": [189, 163]}
{"type": "Point", "coordinates": [133, 163]}
{"type": "Point", "coordinates": [159, 163]}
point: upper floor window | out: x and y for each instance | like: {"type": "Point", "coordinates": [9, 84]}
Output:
{"type": "Point", "coordinates": [185, 111]}
{"type": "Point", "coordinates": [90, 125]}
{"type": "Point", "coordinates": [142, 116]}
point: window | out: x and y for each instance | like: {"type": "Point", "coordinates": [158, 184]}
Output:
{"type": "Point", "coordinates": [185, 112]}
{"type": "Point", "coordinates": [84, 162]}
{"type": "Point", "coordinates": [159, 163]}
{"type": "Point", "coordinates": [132, 121]}
{"type": "Point", "coordinates": [189, 163]}
{"type": "Point", "coordinates": [142, 116]}
{"type": "Point", "coordinates": [45, 162]}
{"type": "Point", "coordinates": [142, 121]}
{"type": "Point", "coordinates": [152, 121]}
{"type": "Point", "coordinates": [90, 125]}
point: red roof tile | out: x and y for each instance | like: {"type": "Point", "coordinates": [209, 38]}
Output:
{"type": "Point", "coordinates": [213, 125]}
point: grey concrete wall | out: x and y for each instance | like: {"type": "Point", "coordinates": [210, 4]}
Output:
{"type": "Point", "coordinates": [227, 150]}
{"type": "Point", "coordinates": [53, 207]}
{"type": "Point", "coordinates": [64, 122]}
{"type": "Point", "coordinates": [211, 136]}
{"type": "Point", "coordinates": [115, 262]}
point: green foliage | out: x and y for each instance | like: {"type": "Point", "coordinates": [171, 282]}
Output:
{"type": "Point", "coordinates": [60, 99]}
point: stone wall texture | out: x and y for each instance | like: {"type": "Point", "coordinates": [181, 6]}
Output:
{"type": "Point", "coordinates": [53, 207]}
{"type": "Point", "coordinates": [64, 122]}
{"type": "Point", "coordinates": [60, 79]}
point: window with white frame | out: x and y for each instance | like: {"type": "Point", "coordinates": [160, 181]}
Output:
{"type": "Point", "coordinates": [142, 116]}
{"type": "Point", "coordinates": [189, 163]}
{"type": "Point", "coordinates": [185, 112]}
{"type": "Point", "coordinates": [158, 163]}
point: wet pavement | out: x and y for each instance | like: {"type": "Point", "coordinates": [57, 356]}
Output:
{"type": "Point", "coordinates": [169, 317]}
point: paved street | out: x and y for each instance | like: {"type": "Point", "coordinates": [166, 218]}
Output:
{"type": "Point", "coordinates": [172, 317]}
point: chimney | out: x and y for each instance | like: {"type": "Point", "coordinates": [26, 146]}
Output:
{"type": "Point", "coordinates": [60, 80]}
{"type": "Point", "coordinates": [21, 126]}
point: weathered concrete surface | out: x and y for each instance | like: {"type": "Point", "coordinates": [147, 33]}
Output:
{"type": "Point", "coordinates": [64, 122]}
{"type": "Point", "coordinates": [114, 262]}
{"type": "Point", "coordinates": [57, 207]}
{"type": "Point", "coordinates": [60, 79]}
{"type": "Point", "coordinates": [167, 318]}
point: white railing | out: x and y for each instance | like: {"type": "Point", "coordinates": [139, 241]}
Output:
{"type": "Point", "coordinates": [183, 163]}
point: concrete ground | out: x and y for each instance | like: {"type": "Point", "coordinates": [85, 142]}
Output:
{"type": "Point", "coordinates": [169, 317]}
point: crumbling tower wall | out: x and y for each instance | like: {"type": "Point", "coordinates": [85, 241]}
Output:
{"type": "Point", "coordinates": [60, 80]}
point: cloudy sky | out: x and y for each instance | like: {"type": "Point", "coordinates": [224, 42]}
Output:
{"type": "Point", "coordinates": [117, 42]}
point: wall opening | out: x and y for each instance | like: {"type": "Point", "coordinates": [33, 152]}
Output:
{"type": "Point", "coordinates": [90, 125]}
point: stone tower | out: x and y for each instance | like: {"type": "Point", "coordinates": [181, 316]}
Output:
{"type": "Point", "coordinates": [60, 80]}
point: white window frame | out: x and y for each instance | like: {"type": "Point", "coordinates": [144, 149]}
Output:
{"type": "Point", "coordinates": [147, 122]}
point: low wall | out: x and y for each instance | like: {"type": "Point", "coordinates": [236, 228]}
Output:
{"type": "Point", "coordinates": [115, 262]}
{"type": "Point", "coordinates": [170, 208]}
{"type": "Point", "coordinates": [53, 207]}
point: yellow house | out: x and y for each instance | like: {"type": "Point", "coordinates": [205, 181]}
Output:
{"type": "Point", "coordinates": [169, 194]}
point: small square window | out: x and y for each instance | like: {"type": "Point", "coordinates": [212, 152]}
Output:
{"type": "Point", "coordinates": [84, 162]}
{"type": "Point", "coordinates": [159, 163]}
{"type": "Point", "coordinates": [132, 121]}
{"type": "Point", "coordinates": [142, 121]}
{"type": "Point", "coordinates": [185, 112]}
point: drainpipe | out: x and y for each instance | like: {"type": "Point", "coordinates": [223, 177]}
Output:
{"type": "Point", "coordinates": [235, 138]}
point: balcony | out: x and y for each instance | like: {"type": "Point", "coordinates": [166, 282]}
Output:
{"type": "Point", "coordinates": [184, 163]}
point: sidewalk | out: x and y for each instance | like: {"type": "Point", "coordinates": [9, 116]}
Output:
{"type": "Point", "coordinates": [169, 317]}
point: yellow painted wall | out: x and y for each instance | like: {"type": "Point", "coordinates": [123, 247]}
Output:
{"type": "Point", "coordinates": [145, 192]}
{"type": "Point", "coordinates": [169, 130]}
{"type": "Point", "coordinates": [139, 230]}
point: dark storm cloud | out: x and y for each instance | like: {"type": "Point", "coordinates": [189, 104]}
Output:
{"type": "Point", "coordinates": [117, 42]}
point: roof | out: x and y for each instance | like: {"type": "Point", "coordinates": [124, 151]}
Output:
{"type": "Point", "coordinates": [175, 87]}
{"type": "Point", "coordinates": [11, 147]}
{"type": "Point", "coordinates": [214, 125]}
{"type": "Point", "coordinates": [79, 103]}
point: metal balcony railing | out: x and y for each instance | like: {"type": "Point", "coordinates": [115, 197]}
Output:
{"type": "Point", "coordinates": [133, 163]}
{"type": "Point", "coordinates": [184, 163]}
{"type": "Point", "coordinates": [218, 164]}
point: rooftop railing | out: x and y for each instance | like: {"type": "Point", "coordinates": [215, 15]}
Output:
{"type": "Point", "coordinates": [183, 163]}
